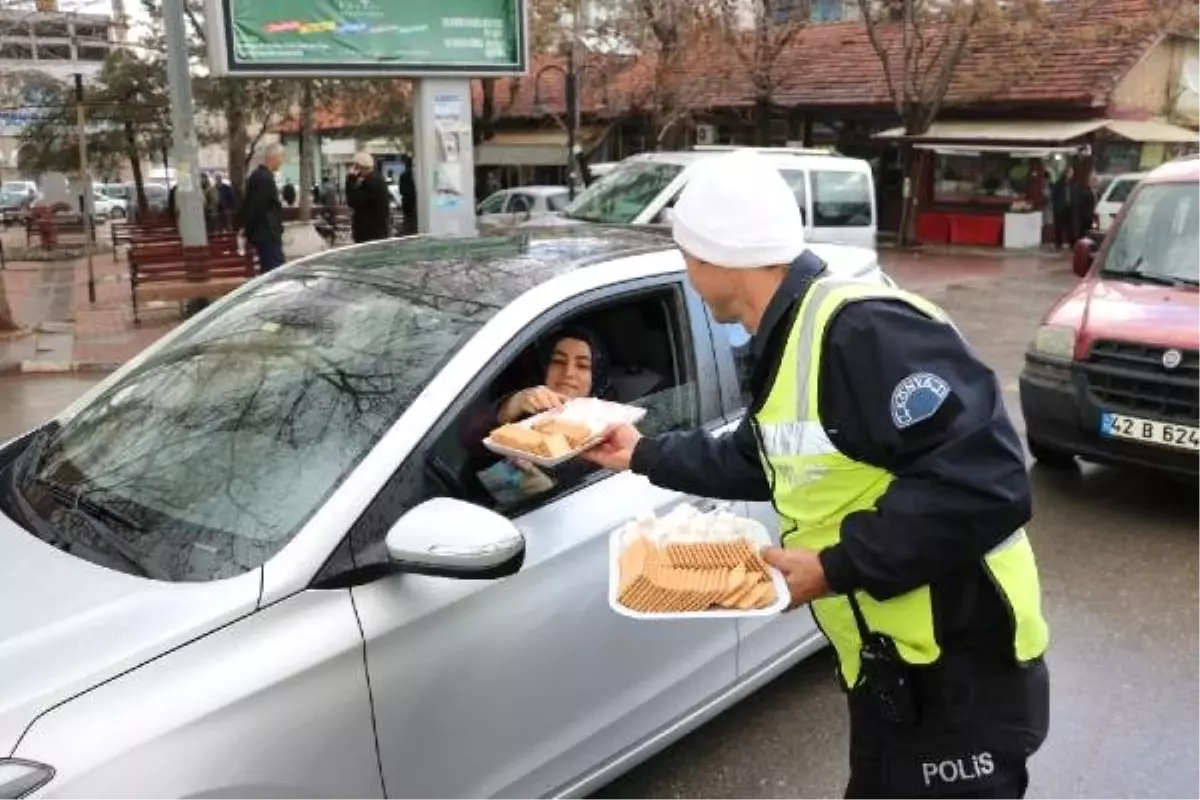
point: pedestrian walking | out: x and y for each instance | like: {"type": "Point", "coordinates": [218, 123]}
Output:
{"type": "Point", "coordinates": [227, 203]}
{"type": "Point", "coordinates": [211, 198]}
{"type": "Point", "coordinates": [289, 192]}
{"type": "Point", "coordinates": [1064, 216]}
{"type": "Point", "coordinates": [408, 196]}
{"type": "Point", "coordinates": [901, 489]}
{"type": "Point", "coordinates": [369, 200]}
{"type": "Point", "coordinates": [262, 211]}
{"type": "Point", "coordinates": [1084, 206]}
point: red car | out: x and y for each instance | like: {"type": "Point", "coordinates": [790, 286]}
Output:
{"type": "Point", "coordinates": [1113, 374]}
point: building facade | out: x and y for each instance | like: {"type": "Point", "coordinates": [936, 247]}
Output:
{"type": "Point", "coordinates": [51, 44]}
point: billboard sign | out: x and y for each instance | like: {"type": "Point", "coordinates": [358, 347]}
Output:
{"type": "Point", "coordinates": [325, 38]}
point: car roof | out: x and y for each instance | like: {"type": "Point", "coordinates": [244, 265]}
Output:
{"type": "Point", "coordinates": [1184, 170]}
{"type": "Point", "coordinates": [534, 190]}
{"type": "Point", "coordinates": [778, 156]}
{"type": "Point", "coordinates": [490, 270]}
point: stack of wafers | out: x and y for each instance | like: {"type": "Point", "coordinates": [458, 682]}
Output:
{"type": "Point", "coordinates": [693, 576]}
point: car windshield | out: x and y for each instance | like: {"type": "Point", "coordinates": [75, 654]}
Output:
{"type": "Point", "coordinates": [209, 457]}
{"type": "Point", "coordinates": [1159, 235]}
{"type": "Point", "coordinates": [621, 195]}
{"type": "Point", "coordinates": [1120, 190]}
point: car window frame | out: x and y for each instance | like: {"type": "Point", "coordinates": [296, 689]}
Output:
{"type": "Point", "coordinates": [369, 529]}
{"type": "Point", "coordinates": [503, 196]}
{"type": "Point", "coordinates": [854, 173]}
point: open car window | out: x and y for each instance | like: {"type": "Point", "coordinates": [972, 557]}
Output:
{"type": "Point", "coordinates": [649, 365]}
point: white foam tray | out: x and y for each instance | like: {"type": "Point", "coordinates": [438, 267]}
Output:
{"type": "Point", "coordinates": [754, 530]}
{"type": "Point", "coordinates": [619, 413]}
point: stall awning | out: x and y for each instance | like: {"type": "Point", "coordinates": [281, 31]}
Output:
{"type": "Point", "coordinates": [1026, 134]}
{"type": "Point", "coordinates": [1018, 131]}
{"type": "Point", "coordinates": [1152, 130]}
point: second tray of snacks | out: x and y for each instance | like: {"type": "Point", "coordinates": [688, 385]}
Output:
{"type": "Point", "coordinates": [689, 565]}
{"type": "Point", "coordinates": [552, 437]}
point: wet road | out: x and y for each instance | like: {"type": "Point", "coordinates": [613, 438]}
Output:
{"type": "Point", "coordinates": [1118, 558]}
{"type": "Point", "coordinates": [1118, 555]}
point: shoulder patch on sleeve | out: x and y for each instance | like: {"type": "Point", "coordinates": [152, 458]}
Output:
{"type": "Point", "coordinates": [917, 398]}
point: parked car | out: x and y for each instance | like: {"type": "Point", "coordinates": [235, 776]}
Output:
{"type": "Point", "coordinates": [1114, 193]}
{"type": "Point", "coordinates": [13, 208]}
{"type": "Point", "coordinates": [106, 208]}
{"type": "Point", "coordinates": [836, 194]}
{"type": "Point", "coordinates": [27, 190]}
{"type": "Point", "coordinates": [256, 559]}
{"type": "Point", "coordinates": [508, 208]}
{"type": "Point", "coordinates": [1113, 374]}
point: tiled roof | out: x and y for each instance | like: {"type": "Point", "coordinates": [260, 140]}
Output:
{"type": "Point", "coordinates": [1074, 58]}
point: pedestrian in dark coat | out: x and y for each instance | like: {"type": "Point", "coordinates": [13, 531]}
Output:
{"type": "Point", "coordinates": [1064, 218]}
{"type": "Point", "coordinates": [408, 196]}
{"type": "Point", "coordinates": [262, 211]}
{"type": "Point", "coordinates": [368, 197]}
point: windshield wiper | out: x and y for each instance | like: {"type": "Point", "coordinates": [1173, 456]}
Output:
{"type": "Point", "coordinates": [95, 513]}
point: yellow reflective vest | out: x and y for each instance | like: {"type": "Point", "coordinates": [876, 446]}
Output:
{"type": "Point", "coordinates": [816, 487]}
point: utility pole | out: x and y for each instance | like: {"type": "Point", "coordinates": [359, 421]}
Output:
{"type": "Point", "coordinates": [188, 201]}
{"type": "Point", "coordinates": [87, 204]}
{"type": "Point", "coordinates": [572, 98]}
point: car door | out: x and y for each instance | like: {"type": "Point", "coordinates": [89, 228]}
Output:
{"type": "Point", "coordinates": [761, 640]}
{"type": "Point", "coordinates": [522, 686]}
{"type": "Point", "coordinates": [491, 210]}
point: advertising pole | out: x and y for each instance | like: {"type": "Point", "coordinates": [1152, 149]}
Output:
{"type": "Point", "coordinates": [444, 159]}
{"type": "Point", "coordinates": [189, 204]}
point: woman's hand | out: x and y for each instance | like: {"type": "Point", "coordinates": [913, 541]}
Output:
{"type": "Point", "coordinates": [526, 402]}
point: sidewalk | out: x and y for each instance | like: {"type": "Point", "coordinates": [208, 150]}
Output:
{"type": "Point", "coordinates": [65, 332]}
{"type": "Point", "coordinates": [70, 334]}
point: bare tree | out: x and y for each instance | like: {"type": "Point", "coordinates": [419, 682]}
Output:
{"type": "Point", "coordinates": [673, 32]}
{"type": "Point", "coordinates": [759, 32]}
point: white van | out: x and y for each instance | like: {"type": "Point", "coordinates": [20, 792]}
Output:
{"type": "Point", "coordinates": [836, 194]}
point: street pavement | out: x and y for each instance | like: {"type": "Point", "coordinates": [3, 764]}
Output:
{"type": "Point", "coordinates": [1118, 556]}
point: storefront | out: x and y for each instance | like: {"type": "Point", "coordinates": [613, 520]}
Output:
{"type": "Point", "coordinates": [987, 183]}
{"type": "Point", "coordinates": [984, 183]}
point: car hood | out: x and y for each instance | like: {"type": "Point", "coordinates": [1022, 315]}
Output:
{"type": "Point", "coordinates": [67, 625]}
{"type": "Point", "coordinates": [1139, 312]}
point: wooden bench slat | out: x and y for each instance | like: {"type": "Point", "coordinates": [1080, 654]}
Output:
{"type": "Point", "coordinates": [189, 290]}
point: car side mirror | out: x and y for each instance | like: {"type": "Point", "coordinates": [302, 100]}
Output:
{"type": "Point", "coordinates": [1084, 255]}
{"type": "Point", "coordinates": [450, 536]}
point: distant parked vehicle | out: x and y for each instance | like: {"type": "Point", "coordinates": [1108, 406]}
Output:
{"type": "Point", "coordinates": [510, 207]}
{"type": "Point", "coordinates": [1113, 196]}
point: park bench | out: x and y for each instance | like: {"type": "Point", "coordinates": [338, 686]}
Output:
{"type": "Point", "coordinates": [127, 233]}
{"type": "Point", "coordinates": [171, 272]}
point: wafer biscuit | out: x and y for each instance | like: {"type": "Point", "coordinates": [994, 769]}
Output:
{"type": "Point", "coordinates": [662, 577]}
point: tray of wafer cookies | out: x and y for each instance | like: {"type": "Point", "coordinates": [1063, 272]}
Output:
{"type": "Point", "coordinates": [688, 565]}
{"type": "Point", "coordinates": [552, 437]}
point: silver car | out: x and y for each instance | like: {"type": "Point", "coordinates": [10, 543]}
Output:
{"type": "Point", "coordinates": [259, 560]}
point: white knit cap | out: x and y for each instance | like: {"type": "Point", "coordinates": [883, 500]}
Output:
{"type": "Point", "coordinates": [738, 212]}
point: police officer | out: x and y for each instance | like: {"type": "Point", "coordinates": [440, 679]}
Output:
{"type": "Point", "coordinates": [900, 484]}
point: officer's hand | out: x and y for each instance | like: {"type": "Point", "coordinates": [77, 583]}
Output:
{"type": "Point", "coordinates": [615, 451]}
{"type": "Point", "coordinates": [801, 569]}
